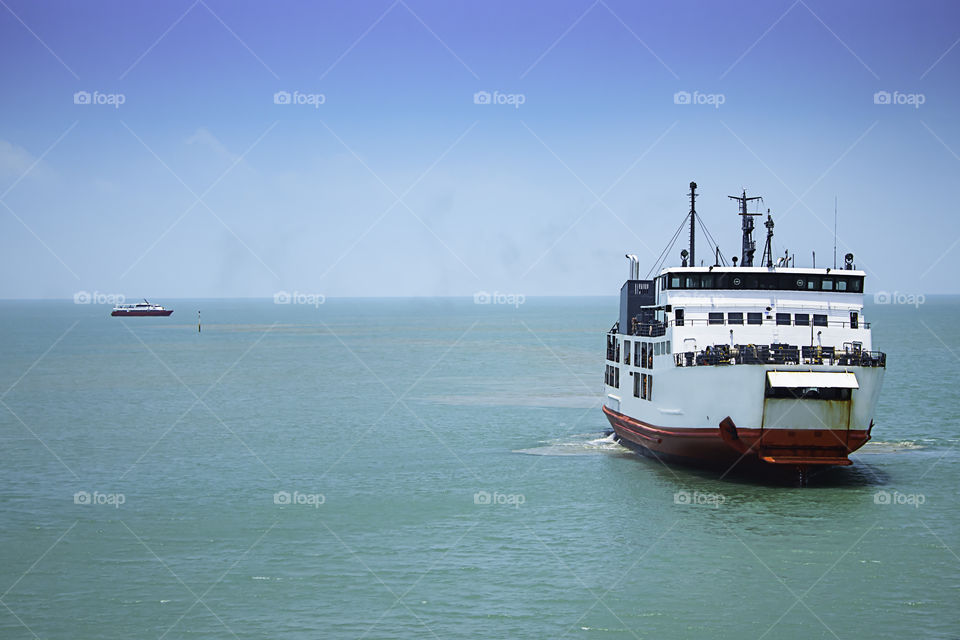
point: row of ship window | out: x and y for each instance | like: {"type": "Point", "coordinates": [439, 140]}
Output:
{"type": "Point", "coordinates": [642, 385]}
{"type": "Point", "coordinates": [799, 319]}
{"type": "Point", "coordinates": [778, 281]}
{"type": "Point", "coordinates": [642, 382]}
{"type": "Point", "coordinates": [643, 352]}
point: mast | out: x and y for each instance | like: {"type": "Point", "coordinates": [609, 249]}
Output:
{"type": "Point", "coordinates": [693, 221]}
{"type": "Point", "coordinates": [767, 259]}
{"type": "Point", "coordinates": [749, 247]}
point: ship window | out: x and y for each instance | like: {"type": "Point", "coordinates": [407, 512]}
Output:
{"type": "Point", "coordinates": [626, 352]}
{"type": "Point", "coordinates": [706, 281]}
{"type": "Point", "coordinates": [678, 317]}
{"type": "Point", "coordinates": [841, 285]}
{"type": "Point", "coordinates": [650, 387]}
{"type": "Point", "coordinates": [754, 318]}
{"type": "Point", "coordinates": [636, 384]}
{"type": "Point", "coordinates": [854, 320]}
{"type": "Point", "coordinates": [667, 345]}
{"type": "Point", "coordinates": [643, 355]}
{"type": "Point", "coordinates": [826, 284]}
{"type": "Point", "coordinates": [692, 282]}
{"type": "Point", "coordinates": [674, 282]}
{"type": "Point", "coordinates": [643, 386]}
{"type": "Point", "coordinates": [656, 348]}
{"type": "Point", "coordinates": [819, 320]}
{"type": "Point", "coordinates": [715, 317]}
{"type": "Point", "coordinates": [650, 356]}
{"type": "Point", "coordinates": [783, 319]}
{"type": "Point", "coordinates": [855, 284]}
{"type": "Point", "coordinates": [735, 317]}
{"type": "Point", "coordinates": [802, 319]}
{"type": "Point", "coordinates": [812, 284]}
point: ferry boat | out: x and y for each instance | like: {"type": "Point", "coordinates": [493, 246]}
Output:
{"type": "Point", "coordinates": [768, 366]}
{"type": "Point", "coordinates": [144, 308]}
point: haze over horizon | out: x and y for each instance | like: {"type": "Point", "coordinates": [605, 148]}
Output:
{"type": "Point", "coordinates": [405, 148]}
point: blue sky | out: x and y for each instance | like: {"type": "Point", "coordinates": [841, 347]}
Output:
{"type": "Point", "coordinates": [199, 184]}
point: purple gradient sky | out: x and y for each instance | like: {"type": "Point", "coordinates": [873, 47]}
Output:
{"type": "Point", "coordinates": [491, 197]}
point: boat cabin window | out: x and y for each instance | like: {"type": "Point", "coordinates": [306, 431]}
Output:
{"type": "Point", "coordinates": [636, 384]}
{"type": "Point", "coordinates": [678, 317]}
{"type": "Point", "coordinates": [778, 281]}
{"type": "Point", "coordinates": [715, 317]}
{"type": "Point", "coordinates": [802, 319]}
{"type": "Point", "coordinates": [626, 352]}
{"type": "Point", "coordinates": [854, 320]}
{"type": "Point", "coordinates": [735, 317]}
{"type": "Point", "coordinates": [783, 319]}
{"type": "Point", "coordinates": [819, 320]}
{"type": "Point", "coordinates": [754, 318]}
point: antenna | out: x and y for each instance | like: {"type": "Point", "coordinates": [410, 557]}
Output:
{"type": "Point", "coordinates": [834, 232]}
{"type": "Point", "coordinates": [693, 220]}
{"type": "Point", "coordinates": [749, 247]}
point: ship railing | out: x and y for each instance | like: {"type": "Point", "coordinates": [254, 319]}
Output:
{"type": "Point", "coordinates": [648, 329]}
{"type": "Point", "coordinates": [772, 354]}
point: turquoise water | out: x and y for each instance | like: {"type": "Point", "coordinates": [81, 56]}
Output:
{"type": "Point", "coordinates": [385, 421]}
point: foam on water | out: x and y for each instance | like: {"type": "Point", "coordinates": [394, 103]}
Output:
{"type": "Point", "coordinates": [578, 445]}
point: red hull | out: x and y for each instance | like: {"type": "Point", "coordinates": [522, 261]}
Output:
{"type": "Point", "coordinates": [165, 312]}
{"type": "Point", "coordinates": [728, 445]}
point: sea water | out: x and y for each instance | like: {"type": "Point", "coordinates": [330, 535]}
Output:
{"type": "Point", "coordinates": [411, 468]}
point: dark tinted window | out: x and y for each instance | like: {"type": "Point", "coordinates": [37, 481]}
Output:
{"type": "Point", "coordinates": [802, 319]}
{"type": "Point", "coordinates": [764, 281]}
{"type": "Point", "coordinates": [716, 317]}
{"type": "Point", "coordinates": [735, 317]}
{"type": "Point", "coordinates": [783, 319]}
{"type": "Point", "coordinates": [754, 318]}
{"type": "Point", "coordinates": [819, 320]}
